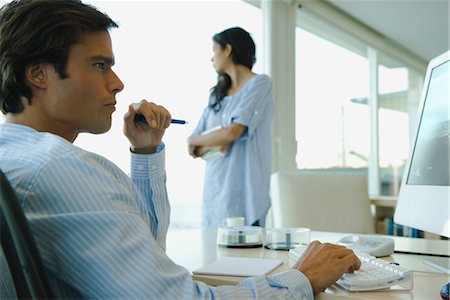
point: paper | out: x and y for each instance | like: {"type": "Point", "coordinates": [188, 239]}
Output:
{"type": "Point", "coordinates": [240, 266]}
{"type": "Point", "coordinates": [213, 153]}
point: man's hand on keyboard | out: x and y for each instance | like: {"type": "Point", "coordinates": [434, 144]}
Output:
{"type": "Point", "coordinates": [323, 264]}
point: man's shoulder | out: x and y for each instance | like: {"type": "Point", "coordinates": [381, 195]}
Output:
{"type": "Point", "coordinates": [25, 147]}
{"type": "Point", "coordinates": [23, 143]}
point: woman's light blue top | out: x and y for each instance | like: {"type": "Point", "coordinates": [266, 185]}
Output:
{"type": "Point", "coordinates": [101, 234]}
{"type": "Point", "coordinates": [237, 184]}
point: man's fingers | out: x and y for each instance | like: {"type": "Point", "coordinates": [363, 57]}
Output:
{"type": "Point", "coordinates": [313, 245]}
{"type": "Point", "coordinates": [341, 252]}
{"type": "Point", "coordinates": [148, 111]}
{"type": "Point", "coordinates": [165, 122]}
{"type": "Point", "coordinates": [156, 115]}
{"type": "Point", "coordinates": [351, 263]}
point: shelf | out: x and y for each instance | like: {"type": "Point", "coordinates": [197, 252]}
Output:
{"type": "Point", "coordinates": [384, 201]}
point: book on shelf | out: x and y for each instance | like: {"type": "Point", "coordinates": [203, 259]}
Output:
{"type": "Point", "coordinates": [387, 226]}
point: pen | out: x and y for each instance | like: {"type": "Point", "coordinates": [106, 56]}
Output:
{"type": "Point", "coordinates": [141, 119]}
{"type": "Point", "coordinates": [176, 121]}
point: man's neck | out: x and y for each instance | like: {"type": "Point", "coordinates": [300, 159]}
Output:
{"type": "Point", "coordinates": [37, 124]}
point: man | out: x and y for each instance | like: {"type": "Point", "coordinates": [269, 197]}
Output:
{"type": "Point", "coordinates": [100, 233]}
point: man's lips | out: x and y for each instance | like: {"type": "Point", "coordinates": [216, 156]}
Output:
{"type": "Point", "coordinates": [111, 105]}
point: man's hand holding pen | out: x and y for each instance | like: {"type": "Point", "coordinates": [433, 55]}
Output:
{"type": "Point", "coordinates": [144, 138]}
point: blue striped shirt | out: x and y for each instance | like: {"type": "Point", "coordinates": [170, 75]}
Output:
{"type": "Point", "coordinates": [102, 234]}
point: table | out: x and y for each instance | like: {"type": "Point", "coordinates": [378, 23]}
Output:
{"type": "Point", "coordinates": [197, 247]}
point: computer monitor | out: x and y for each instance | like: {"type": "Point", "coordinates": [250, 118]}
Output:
{"type": "Point", "coordinates": [423, 202]}
{"type": "Point", "coordinates": [424, 197]}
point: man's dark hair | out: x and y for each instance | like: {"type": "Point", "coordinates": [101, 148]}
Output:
{"type": "Point", "coordinates": [40, 31]}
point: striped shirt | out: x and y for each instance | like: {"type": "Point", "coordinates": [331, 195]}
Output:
{"type": "Point", "coordinates": [102, 234]}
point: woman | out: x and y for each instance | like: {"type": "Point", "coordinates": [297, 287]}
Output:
{"type": "Point", "coordinates": [236, 123]}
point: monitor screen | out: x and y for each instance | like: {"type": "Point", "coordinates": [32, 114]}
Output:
{"type": "Point", "coordinates": [424, 197]}
{"type": "Point", "coordinates": [430, 155]}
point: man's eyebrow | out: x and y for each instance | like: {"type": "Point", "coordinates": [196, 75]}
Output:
{"type": "Point", "coordinates": [106, 59]}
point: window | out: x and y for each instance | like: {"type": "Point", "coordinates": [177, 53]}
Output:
{"type": "Point", "coordinates": [398, 96]}
{"type": "Point", "coordinates": [332, 126]}
{"type": "Point", "coordinates": [163, 51]}
{"type": "Point", "coordinates": [333, 115]}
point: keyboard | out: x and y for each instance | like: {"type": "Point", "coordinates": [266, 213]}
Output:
{"type": "Point", "coordinates": [374, 274]}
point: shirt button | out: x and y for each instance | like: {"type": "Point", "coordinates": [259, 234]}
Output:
{"type": "Point", "coordinates": [140, 168]}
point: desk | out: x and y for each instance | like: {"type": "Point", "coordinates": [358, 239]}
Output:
{"type": "Point", "coordinates": [195, 248]}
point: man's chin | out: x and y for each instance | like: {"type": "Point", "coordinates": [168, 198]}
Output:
{"type": "Point", "coordinates": [100, 130]}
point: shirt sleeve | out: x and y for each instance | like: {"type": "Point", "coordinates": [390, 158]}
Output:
{"type": "Point", "coordinates": [287, 285]}
{"type": "Point", "coordinates": [201, 124]}
{"type": "Point", "coordinates": [249, 110]}
{"type": "Point", "coordinates": [149, 176]}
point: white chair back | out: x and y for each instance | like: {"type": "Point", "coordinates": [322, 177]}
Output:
{"type": "Point", "coordinates": [321, 201]}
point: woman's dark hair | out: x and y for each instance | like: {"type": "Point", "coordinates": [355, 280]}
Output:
{"type": "Point", "coordinates": [40, 31]}
{"type": "Point", "coordinates": [242, 53]}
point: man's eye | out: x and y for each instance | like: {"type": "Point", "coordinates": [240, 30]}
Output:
{"type": "Point", "coordinates": [100, 65]}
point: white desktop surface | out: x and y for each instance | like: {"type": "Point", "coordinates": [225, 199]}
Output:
{"type": "Point", "coordinates": [195, 248]}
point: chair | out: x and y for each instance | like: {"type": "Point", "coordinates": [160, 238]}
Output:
{"type": "Point", "coordinates": [321, 201]}
{"type": "Point", "coordinates": [18, 247]}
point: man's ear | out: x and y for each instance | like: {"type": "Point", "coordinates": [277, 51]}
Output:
{"type": "Point", "coordinates": [37, 75]}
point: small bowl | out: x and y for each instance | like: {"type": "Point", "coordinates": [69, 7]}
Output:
{"type": "Point", "coordinates": [240, 237]}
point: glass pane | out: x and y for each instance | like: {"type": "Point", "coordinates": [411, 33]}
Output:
{"type": "Point", "coordinates": [332, 115]}
{"type": "Point", "coordinates": [397, 100]}
{"type": "Point", "coordinates": [163, 53]}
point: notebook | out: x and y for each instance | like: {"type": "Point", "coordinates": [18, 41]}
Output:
{"type": "Point", "coordinates": [213, 153]}
{"type": "Point", "coordinates": [239, 266]}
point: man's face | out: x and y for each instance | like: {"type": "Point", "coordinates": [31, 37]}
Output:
{"type": "Point", "coordinates": [85, 100]}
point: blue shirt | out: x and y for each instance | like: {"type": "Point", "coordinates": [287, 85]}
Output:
{"type": "Point", "coordinates": [237, 184]}
{"type": "Point", "coordinates": [102, 234]}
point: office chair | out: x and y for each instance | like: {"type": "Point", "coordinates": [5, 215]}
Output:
{"type": "Point", "coordinates": [321, 201]}
{"type": "Point", "coordinates": [19, 248]}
